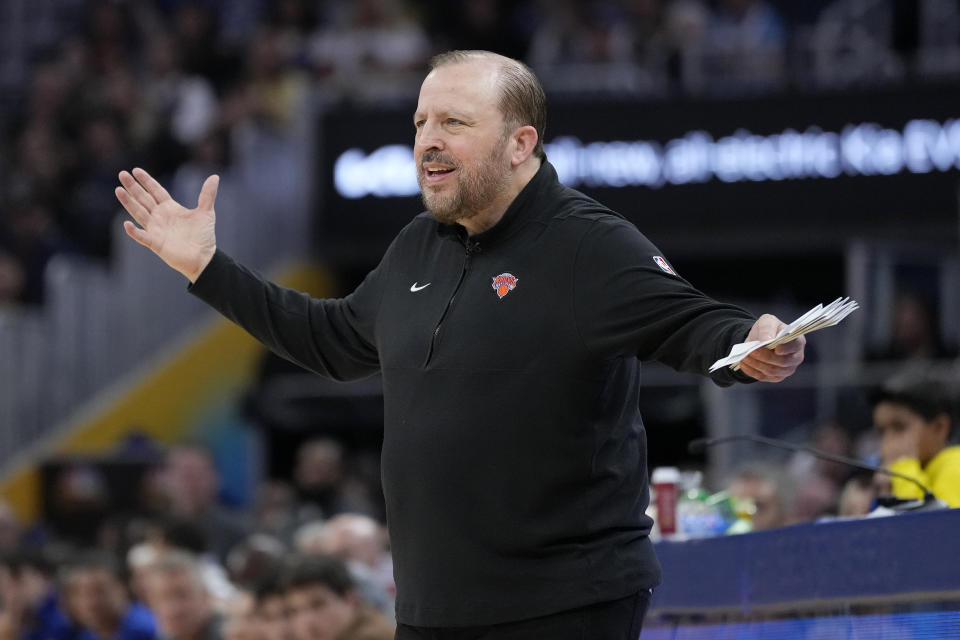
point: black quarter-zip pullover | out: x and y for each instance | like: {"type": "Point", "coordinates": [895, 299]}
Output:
{"type": "Point", "coordinates": [514, 456]}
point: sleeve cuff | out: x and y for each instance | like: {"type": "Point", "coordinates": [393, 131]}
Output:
{"type": "Point", "coordinates": [204, 281]}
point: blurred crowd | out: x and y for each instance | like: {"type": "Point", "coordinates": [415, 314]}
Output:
{"type": "Point", "coordinates": [307, 561]}
{"type": "Point", "coordinates": [159, 553]}
{"type": "Point", "coordinates": [913, 432]}
{"type": "Point", "coordinates": [90, 87]}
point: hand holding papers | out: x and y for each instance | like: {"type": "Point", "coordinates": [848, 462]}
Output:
{"type": "Point", "coordinates": [817, 318]}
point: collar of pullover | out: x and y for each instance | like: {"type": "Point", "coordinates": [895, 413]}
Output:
{"type": "Point", "coordinates": [520, 211]}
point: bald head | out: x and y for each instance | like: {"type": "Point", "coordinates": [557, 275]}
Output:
{"type": "Point", "coordinates": [521, 99]}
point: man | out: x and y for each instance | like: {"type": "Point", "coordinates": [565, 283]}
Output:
{"type": "Point", "coordinates": [29, 607]}
{"type": "Point", "coordinates": [322, 603]}
{"type": "Point", "coordinates": [176, 593]}
{"type": "Point", "coordinates": [193, 484]}
{"type": "Point", "coordinates": [769, 492]}
{"type": "Point", "coordinates": [361, 542]}
{"type": "Point", "coordinates": [239, 621]}
{"type": "Point", "coordinates": [915, 419]}
{"type": "Point", "coordinates": [96, 600]}
{"type": "Point", "coordinates": [320, 481]}
{"type": "Point", "coordinates": [269, 610]}
{"type": "Point", "coordinates": [508, 324]}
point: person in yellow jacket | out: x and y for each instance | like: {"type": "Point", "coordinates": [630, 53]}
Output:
{"type": "Point", "coordinates": [915, 421]}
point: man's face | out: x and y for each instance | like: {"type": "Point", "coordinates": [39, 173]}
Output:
{"type": "Point", "coordinates": [239, 620]}
{"type": "Point", "coordinates": [192, 474]}
{"type": "Point", "coordinates": [271, 618]}
{"type": "Point", "coordinates": [461, 141]}
{"type": "Point", "coordinates": [94, 597]}
{"type": "Point", "coordinates": [764, 496]}
{"type": "Point", "coordinates": [179, 601]}
{"type": "Point", "coordinates": [10, 590]}
{"type": "Point", "coordinates": [905, 434]}
{"type": "Point", "coordinates": [317, 613]}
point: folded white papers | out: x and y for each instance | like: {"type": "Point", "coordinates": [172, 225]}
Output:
{"type": "Point", "coordinates": [817, 318]}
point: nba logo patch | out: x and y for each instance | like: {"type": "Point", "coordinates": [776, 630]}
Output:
{"type": "Point", "coordinates": [505, 283]}
{"type": "Point", "coordinates": [664, 266]}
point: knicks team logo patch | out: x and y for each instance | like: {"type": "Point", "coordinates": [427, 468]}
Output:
{"type": "Point", "coordinates": [505, 283]}
{"type": "Point", "coordinates": [664, 266]}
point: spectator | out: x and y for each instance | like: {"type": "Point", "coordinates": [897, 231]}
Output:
{"type": "Point", "coordinates": [176, 593]}
{"type": "Point", "coordinates": [253, 559]}
{"type": "Point", "coordinates": [11, 530]}
{"type": "Point", "coordinates": [12, 278]}
{"type": "Point", "coordinates": [269, 610]}
{"type": "Point", "coordinates": [915, 418]}
{"type": "Point", "coordinates": [322, 603]}
{"type": "Point", "coordinates": [28, 597]}
{"type": "Point", "coordinates": [351, 537]}
{"type": "Point", "coordinates": [830, 438]}
{"type": "Point", "coordinates": [684, 33]}
{"type": "Point", "coordinates": [275, 509]}
{"type": "Point", "coordinates": [195, 32]}
{"type": "Point", "coordinates": [174, 534]}
{"type": "Point", "coordinates": [194, 485]}
{"type": "Point", "coordinates": [182, 108]}
{"type": "Point", "coordinates": [96, 601]}
{"type": "Point", "coordinates": [361, 542]}
{"type": "Point", "coordinates": [857, 497]}
{"type": "Point", "coordinates": [34, 239]}
{"type": "Point", "coordinates": [768, 490]}
{"type": "Point", "coordinates": [103, 151]}
{"type": "Point", "coordinates": [319, 480]}
{"type": "Point", "coordinates": [815, 496]}
{"type": "Point", "coordinates": [239, 620]}
{"type": "Point", "coordinates": [140, 557]}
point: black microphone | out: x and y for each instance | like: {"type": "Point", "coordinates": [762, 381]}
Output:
{"type": "Point", "coordinates": [700, 445]}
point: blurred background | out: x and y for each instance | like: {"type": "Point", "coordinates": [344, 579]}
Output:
{"type": "Point", "coordinates": [780, 153]}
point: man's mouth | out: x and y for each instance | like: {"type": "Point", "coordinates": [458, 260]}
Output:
{"type": "Point", "coordinates": [436, 174]}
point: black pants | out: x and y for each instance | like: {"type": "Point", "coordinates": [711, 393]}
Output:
{"type": "Point", "coordinates": [616, 620]}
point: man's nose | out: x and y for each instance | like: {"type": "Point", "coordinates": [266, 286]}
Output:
{"type": "Point", "coordinates": [429, 136]}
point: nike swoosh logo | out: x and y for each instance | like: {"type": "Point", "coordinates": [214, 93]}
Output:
{"type": "Point", "coordinates": [415, 288]}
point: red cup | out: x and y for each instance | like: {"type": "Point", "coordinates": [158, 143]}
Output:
{"type": "Point", "coordinates": [665, 481]}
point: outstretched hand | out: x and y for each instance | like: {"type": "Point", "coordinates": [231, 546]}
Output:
{"type": "Point", "coordinates": [183, 238]}
{"type": "Point", "coordinates": [774, 365]}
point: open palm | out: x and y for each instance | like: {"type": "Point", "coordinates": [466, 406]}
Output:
{"type": "Point", "coordinates": [183, 238]}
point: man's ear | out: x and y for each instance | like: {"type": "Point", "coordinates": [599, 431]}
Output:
{"type": "Point", "coordinates": [524, 142]}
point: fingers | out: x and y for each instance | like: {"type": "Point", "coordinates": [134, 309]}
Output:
{"type": "Point", "coordinates": [765, 328]}
{"type": "Point", "coordinates": [794, 346]}
{"type": "Point", "coordinates": [767, 366]}
{"type": "Point", "coordinates": [208, 193]}
{"type": "Point", "coordinates": [786, 352]}
{"type": "Point", "coordinates": [763, 372]}
{"type": "Point", "coordinates": [137, 233]}
{"type": "Point", "coordinates": [152, 186]}
{"type": "Point", "coordinates": [133, 207]}
{"type": "Point", "coordinates": [136, 190]}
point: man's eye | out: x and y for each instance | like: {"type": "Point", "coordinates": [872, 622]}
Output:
{"type": "Point", "coordinates": [418, 124]}
{"type": "Point", "coordinates": [453, 121]}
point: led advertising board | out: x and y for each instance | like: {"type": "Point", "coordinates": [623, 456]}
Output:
{"type": "Point", "coordinates": [800, 171]}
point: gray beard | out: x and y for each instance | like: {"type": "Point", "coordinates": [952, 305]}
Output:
{"type": "Point", "coordinates": [475, 189]}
